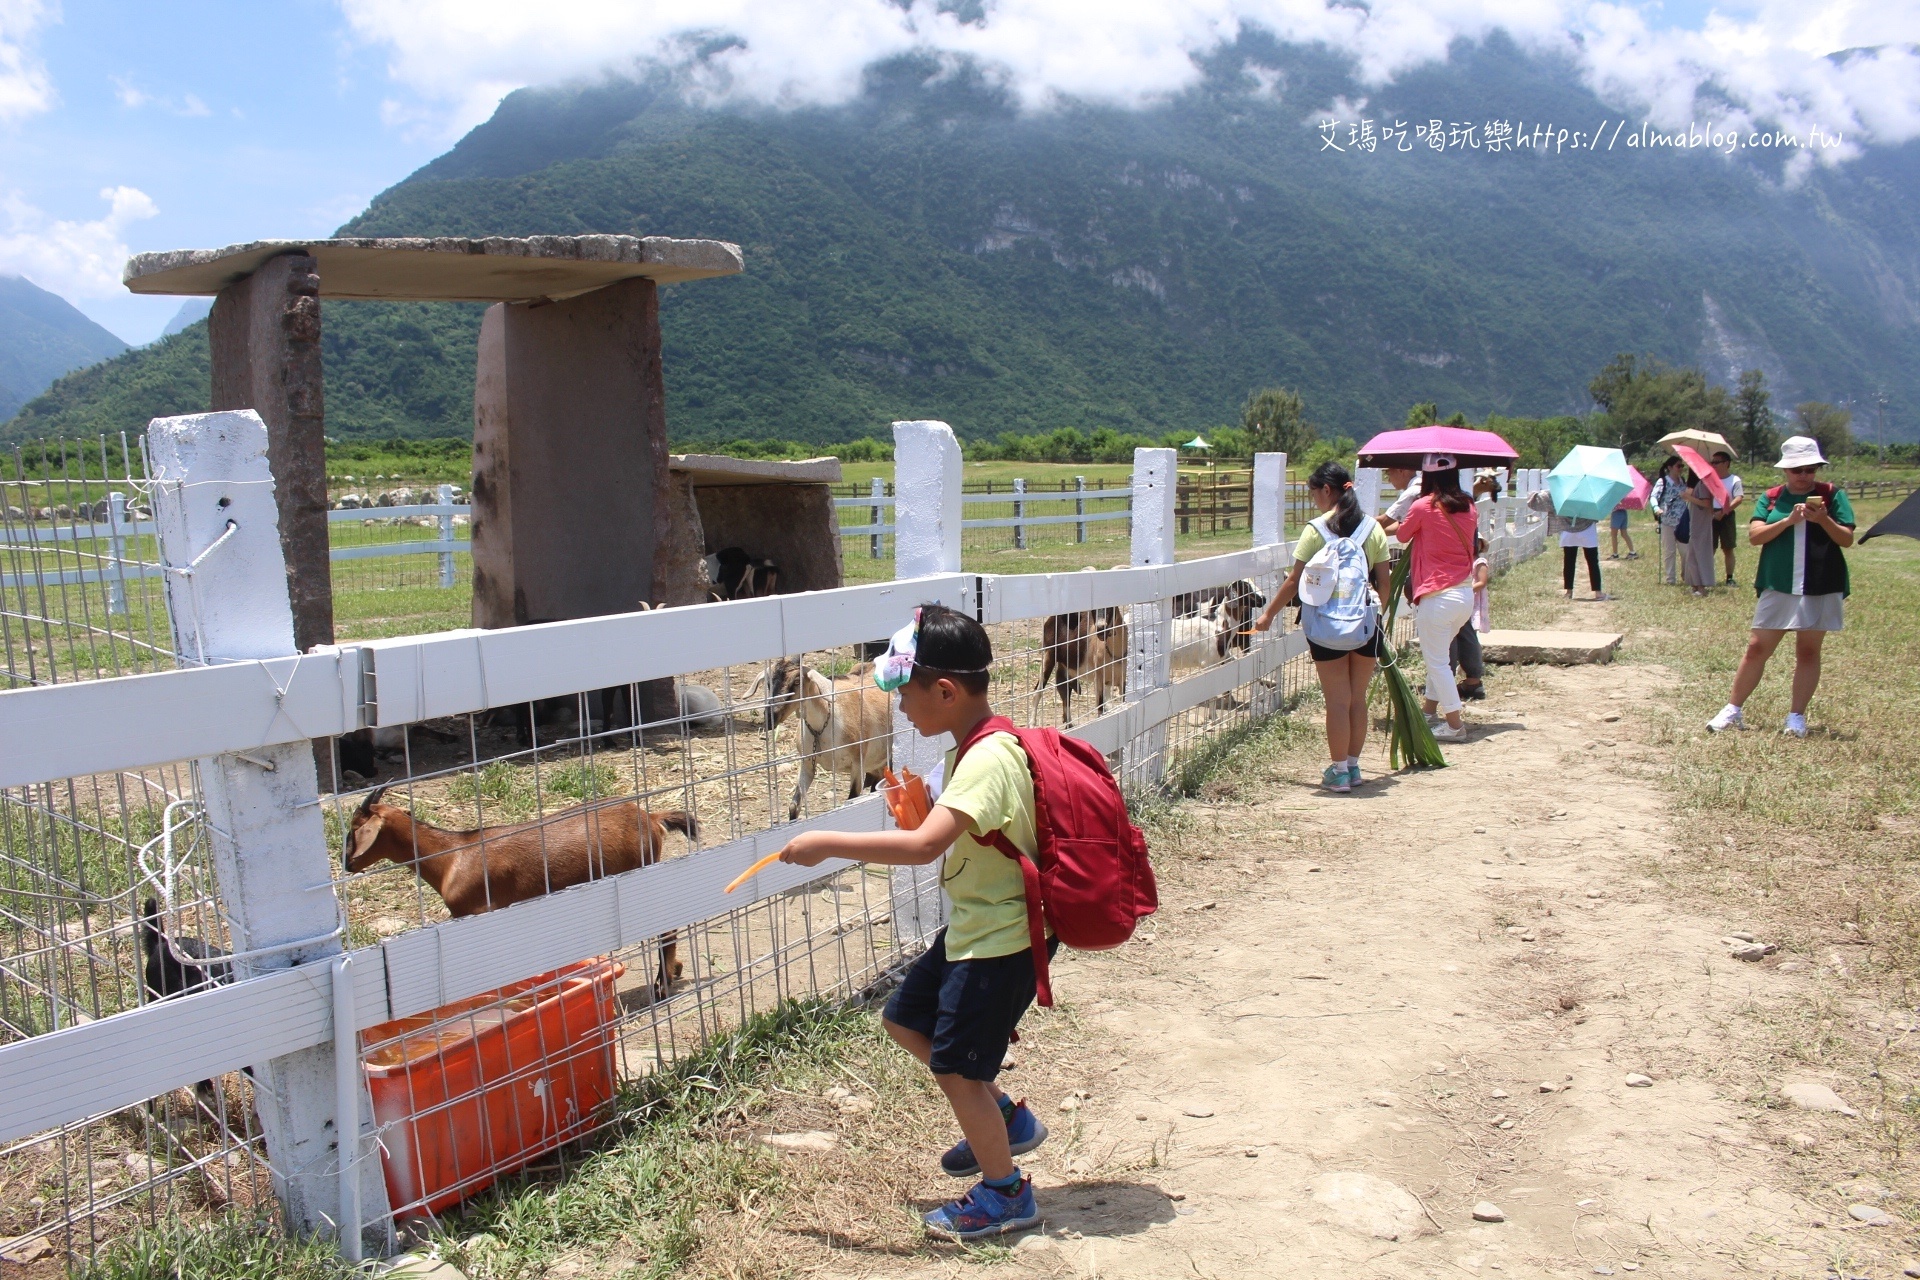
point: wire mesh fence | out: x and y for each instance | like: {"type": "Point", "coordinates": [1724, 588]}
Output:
{"type": "Point", "coordinates": [107, 895]}
{"type": "Point", "coordinates": [80, 596]}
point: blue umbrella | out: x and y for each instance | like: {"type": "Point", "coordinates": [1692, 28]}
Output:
{"type": "Point", "coordinates": [1589, 482]}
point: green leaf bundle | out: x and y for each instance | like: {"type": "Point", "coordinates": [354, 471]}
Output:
{"type": "Point", "coordinates": [1410, 739]}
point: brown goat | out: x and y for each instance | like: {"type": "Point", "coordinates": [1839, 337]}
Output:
{"type": "Point", "coordinates": [494, 867]}
{"type": "Point", "coordinates": [1082, 646]}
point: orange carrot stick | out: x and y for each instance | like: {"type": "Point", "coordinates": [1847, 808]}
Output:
{"type": "Point", "coordinates": [754, 870]}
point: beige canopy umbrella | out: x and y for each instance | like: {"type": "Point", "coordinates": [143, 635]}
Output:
{"type": "Point", "coordinates": [1707, 442]}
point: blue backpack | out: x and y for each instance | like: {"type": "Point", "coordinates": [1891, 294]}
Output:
{"type": "Point", "coordinates": [1338, 608]}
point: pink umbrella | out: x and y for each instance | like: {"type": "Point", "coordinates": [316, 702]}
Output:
{"type": "Point", "coordinates": [1642, 489]}
{"type": "Point", "coordinates": [1703, 470]}
{"type": "Point", "coordinates": [1472, 448]}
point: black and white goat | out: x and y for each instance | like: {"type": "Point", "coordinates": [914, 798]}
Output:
{"type": "Point", "coordinates": [735, 575]}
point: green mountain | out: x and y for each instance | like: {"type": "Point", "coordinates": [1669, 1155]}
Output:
{"type": "Point", "coordinates": [929, 250]}
{"type": "Point", "coordinates": [41, 337]}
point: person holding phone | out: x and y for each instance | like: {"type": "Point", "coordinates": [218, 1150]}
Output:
{"type": "Point", "coordinates": [1801, 528]}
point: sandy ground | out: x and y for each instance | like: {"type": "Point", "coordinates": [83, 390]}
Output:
{"type": "Point", "coordinates": [1357, 1018]}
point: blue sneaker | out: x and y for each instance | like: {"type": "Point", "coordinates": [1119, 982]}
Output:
{"type": "Point", "coordinates": [1335, 779]}
{"type": "Point", "coordinates": [1024, 1133]}
{"type": "Point", "coordinates": [1353, 775]}
{"type": "Point", "coordinates": [985, 1212]}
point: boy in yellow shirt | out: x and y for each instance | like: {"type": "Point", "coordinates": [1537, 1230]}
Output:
{"type": "Point", "coordinates": [958, 1005]}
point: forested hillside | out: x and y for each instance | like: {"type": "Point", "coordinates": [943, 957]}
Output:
{"type": "Point", "coordinates": [42, 336]}
{"type": "Point", "coordinates": [929, 251]}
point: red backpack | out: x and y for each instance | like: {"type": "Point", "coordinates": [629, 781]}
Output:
{"type": "Point", "coordinates": [1091, 881]}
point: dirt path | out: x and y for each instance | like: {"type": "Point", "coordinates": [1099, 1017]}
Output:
{"type": "Point", "coordinates": [1357, 1017]}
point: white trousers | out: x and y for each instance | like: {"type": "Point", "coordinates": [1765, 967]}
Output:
{"type": "Point", "coordinates": [1436, 619]}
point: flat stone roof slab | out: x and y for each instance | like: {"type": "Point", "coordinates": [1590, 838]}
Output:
{"type": "Point", "coordinates": [446, 269]}
{"type": "Point", "coordinates": [1555, 648]}
{"type": "Point", "coordinates": [718, 469]}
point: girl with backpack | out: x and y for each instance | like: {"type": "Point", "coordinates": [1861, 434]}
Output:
{"type": "Point", "coordinates": [1340, 571]}
{"type": "Point", "coordinates": [1440, 530]}
{"type": "Point", "coordinates": [1800, 527]}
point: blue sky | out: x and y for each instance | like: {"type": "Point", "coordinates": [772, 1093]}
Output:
{"type": "Point", "coordinates": [127, 127]}
{"type": "Point", "coordinates": [239, 121]}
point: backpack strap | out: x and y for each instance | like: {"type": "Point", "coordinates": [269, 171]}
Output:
{"type": "Point", "coordinates": [1029, 870]}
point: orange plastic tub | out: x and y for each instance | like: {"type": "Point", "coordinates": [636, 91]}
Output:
{"type": "Point", "coordinates": [481, 1087]}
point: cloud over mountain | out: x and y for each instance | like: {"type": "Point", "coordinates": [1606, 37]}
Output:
{"type": "Point", "coordinates": [1849, 66]}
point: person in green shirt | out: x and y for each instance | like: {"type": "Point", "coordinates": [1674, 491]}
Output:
{"type": "Point", "coordinates": [956, 1008]}
{"type": "Point", "coordinates": [1344, 673]}
{"type": "Point", "coordinates": [1801, 528]}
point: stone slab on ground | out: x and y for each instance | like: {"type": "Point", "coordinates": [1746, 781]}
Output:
{"type": "Point", "coordinates": [1555, 648]}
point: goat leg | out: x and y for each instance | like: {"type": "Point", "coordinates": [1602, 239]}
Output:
{"type": "Point", "coordinates": [669, 964]}
{"type": "Point", "coordinates": [806, 777]}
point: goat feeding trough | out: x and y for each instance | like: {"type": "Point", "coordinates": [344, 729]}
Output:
{"type": "Point", "coordinates": [479, 1088]}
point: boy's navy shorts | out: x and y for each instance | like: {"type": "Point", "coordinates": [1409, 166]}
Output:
{"type": "Point", "coordinates": [968, 1008]}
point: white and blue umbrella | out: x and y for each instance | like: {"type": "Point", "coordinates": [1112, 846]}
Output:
{"type": "Point", "coordinates": [1589, 482]}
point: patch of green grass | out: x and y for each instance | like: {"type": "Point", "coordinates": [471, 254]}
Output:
{"type": "Point", "coordinates": [231, 1248]}
{"type": "Point", "coordinates": [583, 778]}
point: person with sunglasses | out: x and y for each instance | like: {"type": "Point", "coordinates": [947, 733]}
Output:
{"type": "Point", "coordinates": [1801, 528]}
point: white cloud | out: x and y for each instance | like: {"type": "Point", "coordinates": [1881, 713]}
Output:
{"type": "Point", "coordinates": [133, 97]}
{"type": "Point", "coordinates": [452, 60]}
{"type": "Point", "coordinates": [25, 89]}
{"type": "Point", "coordinates": [73, 259]}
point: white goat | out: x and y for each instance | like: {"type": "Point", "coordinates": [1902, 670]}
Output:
{"type": "Point", "coordinates": [845, 724]}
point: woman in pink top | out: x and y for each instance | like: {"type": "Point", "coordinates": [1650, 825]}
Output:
{"type": "Point", "coordinates": [1439, 531]}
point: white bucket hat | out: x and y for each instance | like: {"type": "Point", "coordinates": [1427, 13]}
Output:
{"type": "Point", "coordinates": [1800, 451]}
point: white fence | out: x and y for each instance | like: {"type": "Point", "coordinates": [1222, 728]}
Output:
{"type": "Point", "coordinates": [109, 541]}
{"type": "Point", "coordinates": [246, 716]}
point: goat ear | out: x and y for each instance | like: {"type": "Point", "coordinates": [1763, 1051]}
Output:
{"type": "Point", "coordinates": [360, 840]}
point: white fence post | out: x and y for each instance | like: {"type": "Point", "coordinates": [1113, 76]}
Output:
{"type": "Point", "coordinates": [1019, 514]}
{"type": "Point", "coordinates": [1366, 487]}
{"type": "Point", "coordinates": [1269, 499]}
{"type": "Point", "coordinates": [226, 583]}
{"type": "Point", "coordinates": [446, 535]}
{"type": "Point", "coordinates": [927, 515]}
{"type": "Point", "coordinates": [1150, 639]}
{"type": "Point", "coordinates": [879, 491]}
{"type": "Point", "coordinates": [117, 552]}
{"type": "Point", "coordinates": [1080, 508]}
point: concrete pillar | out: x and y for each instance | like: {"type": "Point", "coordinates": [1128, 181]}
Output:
{"type": "Point", "coordinates": [569, 457]}
{"type": "Point", "coordinates": [926, 499]}
{"type": "Point", "coordinates": [214, 504]}
{"type": "Point", "coordinates": [1143, 760]}
{"type": "Point", "coordinates": [1269, 499]}
{"type": "Point", "coordinates": [683, 575]}
{"type": "Point", "coordinates": [264, 340]}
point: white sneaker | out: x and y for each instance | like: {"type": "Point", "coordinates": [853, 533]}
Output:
{"type": "Point", "coordinates": [1728, 718]}
{"type": "Point", "coordinates": [1444, 732]}
{"type": "Point", "coordinates": [1796, 725]}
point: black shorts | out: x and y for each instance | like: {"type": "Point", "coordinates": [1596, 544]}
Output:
{"type": "Point", "coordinates": [1371, 649]}
{"type": "Point", "coordinates": [968, 1008]}
{"type": "Point", "coordinates": [1723, 530]}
